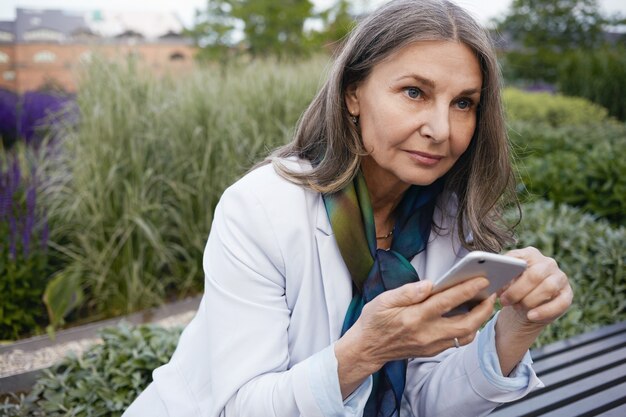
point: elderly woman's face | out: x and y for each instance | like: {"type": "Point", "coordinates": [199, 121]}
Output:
{"type": "Point", "coordinates": [417, 111]}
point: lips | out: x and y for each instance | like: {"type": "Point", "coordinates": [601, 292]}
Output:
{"type": "Point", "coordinates": [424, 158]}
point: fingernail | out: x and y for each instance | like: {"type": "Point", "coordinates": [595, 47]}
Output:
{"type": "Point", "coordinates": [533, 315]}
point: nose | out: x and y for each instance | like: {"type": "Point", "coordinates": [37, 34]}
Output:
{"type": "Point", "coordinates": [436, 123]}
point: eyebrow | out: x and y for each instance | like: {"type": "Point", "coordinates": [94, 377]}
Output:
{"type": "Point", "coordinates": [430, 83]}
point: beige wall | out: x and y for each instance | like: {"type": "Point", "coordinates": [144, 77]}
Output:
{"type": "Point", "coordinates": [63, 71]}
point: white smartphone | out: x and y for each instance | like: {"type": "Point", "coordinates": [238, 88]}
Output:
{"type": "Point", "coordinates": [498, 269]}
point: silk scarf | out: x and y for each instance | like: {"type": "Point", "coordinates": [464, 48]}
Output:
{"type": "Point", "coordinates": [374, 270]}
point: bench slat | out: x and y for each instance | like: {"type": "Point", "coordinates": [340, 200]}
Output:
{"type": "Point", "coordinates": [579, 340]}
{"type": "Point", "coordinates": [580, 369]}
{"type": "Point", "coordinates": [592, 405]}
{"type": "Point", "coordinates": [600, 347]}
{"type": "Point", "coordinates": [542, 401]}
{"type": "Point", "coordinates": [619, 411]}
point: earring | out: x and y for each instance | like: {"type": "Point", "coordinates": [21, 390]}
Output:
{"type": "Point", "coordinates": [355, 119]}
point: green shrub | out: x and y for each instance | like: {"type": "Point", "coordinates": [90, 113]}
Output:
{"type": "Point", "coordinates": [536, 65]}
{"type": "Point", "coordinates": [143, 170]}
{"type": "Point", "coordinates": [582, 166]}
{"type": "Point", "coordinates": [598, 75]}
{"type": "Point", "coordinates": [105, 380]}
{"type": "Point", "coordinates": [551, 109]}
{"type": "Point", "coordinates": [591, 253]}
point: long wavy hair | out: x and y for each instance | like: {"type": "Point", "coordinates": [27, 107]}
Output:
{"type": "Point", "coordinates": [481, 181]}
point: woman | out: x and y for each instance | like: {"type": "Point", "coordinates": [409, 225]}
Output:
{"type": "Point", "coordinates": [313, 302]}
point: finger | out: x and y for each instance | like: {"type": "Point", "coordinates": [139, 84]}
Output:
{"type": "Point", "coordinates": [407, 295]}
{"type": "Point", "coordinates": [465, 340]}
{"type": "Point", "coordinates": [482, 312]}
{"type": "Point", "coordinates": [465, 325]}
{"type": "Point", "coordinates": [548, 312]}
{"type": "Point", "coordinates": [545, 291]}
{"type": "Point", "coordinates": [464, 328]}
{"type": "Point", "coordinates": [452, 297]}
{"type": "Point", "coordinates": [530, 254]}
{"type": "Point", "coordinates": [530, 279]}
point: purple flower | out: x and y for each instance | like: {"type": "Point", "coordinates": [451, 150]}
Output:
{"type": "Point", "coordinates": [9, 182]}
{"type": "Point", "coordinates": [38, 111]}
{"type": "Point", "coordinates": [18, 211]}
{"type": "Point", "coordinates": [29, 220]}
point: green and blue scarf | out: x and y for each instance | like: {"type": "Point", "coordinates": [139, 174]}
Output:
{"type": "Point", "coordinates": [376, 270]}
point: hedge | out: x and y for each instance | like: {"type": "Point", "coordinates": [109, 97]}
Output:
{"type": "Point", "coordinates": [591, 252]}
{"type": "Point", "coordinates": [581, 166]}
{"type": "Point", "coordinates": [552, 109]}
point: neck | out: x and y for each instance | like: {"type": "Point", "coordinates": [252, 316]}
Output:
{"type": "Point", "coordinates": [385, 191]}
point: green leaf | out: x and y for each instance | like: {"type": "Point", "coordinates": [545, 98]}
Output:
{"type": "Point", "coordinates": [63, 293]}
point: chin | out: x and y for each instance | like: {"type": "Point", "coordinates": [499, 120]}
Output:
{"type": "Point", "coordinates": [421, 179]}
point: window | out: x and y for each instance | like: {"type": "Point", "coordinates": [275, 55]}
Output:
{"type": "Point", "coordinates": [44, 57]}
{"type": "Point", "coordinates": [4, 58]}
{"type": "Point", "coordinates": [177, 56]}
{"type": "Point", "coordinates": [6, 36]}
{"type": "Point", "coordinates": [46, 35]}
{"type": "Point", "coordinates": [8, 75]}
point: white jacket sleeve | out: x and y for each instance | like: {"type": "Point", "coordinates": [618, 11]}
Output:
{"type": "Point", "coordinates": [465, 381]}
{"type": "Point", "coordinates": [233, 358]}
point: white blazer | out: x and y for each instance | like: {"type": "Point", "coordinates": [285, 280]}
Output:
{"type": "Point", "coordinates": [276, 293]}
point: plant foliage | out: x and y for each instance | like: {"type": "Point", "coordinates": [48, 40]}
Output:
{"type": "Point", "coordinates": [582, 166]}
{"type": "Point", "coordinates": [545, 29]}
{"type": "Point", "coordinates": [598, 75]}
{"type": "Point", "coordinates": [551, 109]}
{"type": "Point", "coordinates": [105, 380]}
{"type": "Point", "coordinates": [264, 28]}
{"type": "Point", "coordinates": [140, 175]}
{"type": "Point", "coordinates": [24, 266]}
{"type": "Point", "coordinates": [591, 252]}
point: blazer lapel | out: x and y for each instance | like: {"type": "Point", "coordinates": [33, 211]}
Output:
{"type": "Point", "coordinates": [335, 276]}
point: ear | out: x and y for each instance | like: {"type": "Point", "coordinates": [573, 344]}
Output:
{"type": "Point", "coordinates": [352, 99]}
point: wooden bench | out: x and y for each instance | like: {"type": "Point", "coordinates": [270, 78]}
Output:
{"type": "Point", "coordinates": [584, 376]}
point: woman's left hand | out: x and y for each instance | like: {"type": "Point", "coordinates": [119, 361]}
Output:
{"type": "Point", "coordinates": [532, 301]}
{"type": "Point", "coordinates": [541, 294]}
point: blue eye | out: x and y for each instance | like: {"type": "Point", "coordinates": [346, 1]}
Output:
{"type": "Point", "coordinates": [464, 104]}
{"type": "Point", "coordinates": [413, 92]}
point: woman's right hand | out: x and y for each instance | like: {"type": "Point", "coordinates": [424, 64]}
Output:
{"type": "Point", "coordinates": [408, 322]}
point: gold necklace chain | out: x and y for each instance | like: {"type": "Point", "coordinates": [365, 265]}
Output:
{"type": "Point", "coordinates": [387, 236]}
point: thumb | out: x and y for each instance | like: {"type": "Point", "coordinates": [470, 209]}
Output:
{"type": "Point", "coordinates": [408, 294]}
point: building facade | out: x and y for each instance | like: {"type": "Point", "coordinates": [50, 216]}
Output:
{"type": "Point", "coordinates": [47, 48]}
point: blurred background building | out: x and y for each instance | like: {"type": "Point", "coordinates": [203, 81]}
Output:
{"type": "Point", "coordinates": [44, 48]}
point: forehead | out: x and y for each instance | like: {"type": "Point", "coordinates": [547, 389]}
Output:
{"type": "Point", "coordinates": [444, 61]}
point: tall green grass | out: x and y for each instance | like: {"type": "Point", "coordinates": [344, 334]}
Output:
{"type": "Point", "coordinates": [142, 171]}
{"type": "Point", "coordinates": [138, 176]}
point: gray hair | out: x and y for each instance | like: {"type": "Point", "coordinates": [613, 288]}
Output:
{"type": "Point", "coordinates": [327, 137]}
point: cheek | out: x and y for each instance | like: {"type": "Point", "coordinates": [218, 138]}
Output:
{"type": "Point", "coordinates": [378, 132]}
{"type": "Point", "coordinates": [462, 136]}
